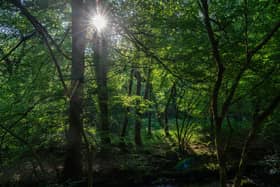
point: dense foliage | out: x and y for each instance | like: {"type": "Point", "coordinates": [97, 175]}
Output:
{"type": "Point", "coordinates": [178, 72]}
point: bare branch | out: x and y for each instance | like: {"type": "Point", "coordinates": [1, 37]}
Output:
{"type": "Point", "coordinates": [23, 39]}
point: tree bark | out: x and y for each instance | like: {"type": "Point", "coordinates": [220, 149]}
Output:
{"type": "Point", "coordinates": [137, 137]}
{"type": "Point", "coordinates": [150, 114]}
{"type": "Point", "coordinates": [101, 70]}
{"type": "Point", "coordinates": [147, 96]}
{"type": "Point", "coordinates": [166, 126]}
{"type": "Point", "coordinates": [149, 124]}
{"type": "Point", "coordinates": [221, 157]}
{"type": "Point", "coordinates": [147, 86]}
{"type": "Point", "coordinates": [215, 94]}
{"type": "Point", "coordinates": [258, 120]}
{"type": "Point", "coordinates": [127, 110]}
{"type": "Point", "coordinates": [73, 160]}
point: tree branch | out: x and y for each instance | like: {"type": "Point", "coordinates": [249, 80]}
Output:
{"type": "Point", "coordinates": [249, 55]}
{"type": "Point", "coordinates": [142, 47]}
{"type": "Point", "coordinates": [216, 55]}
{"type": "Point", "coordinates": [23, 141]}
{"type": "Point", "coordinates": [23, 39]}
{"type": "Point", "coordinates": [266, 38]}
{"type": "Point", "coordinates": [45, 35]}
{"type": "Point", "coordinates": [272, 106]}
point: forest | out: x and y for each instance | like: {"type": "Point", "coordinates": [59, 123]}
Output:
{"type": "Point", "coordinates": [140, 93]}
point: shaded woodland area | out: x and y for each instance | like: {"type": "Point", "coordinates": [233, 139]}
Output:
{"type": "Point", "coordinates": [177, 93]}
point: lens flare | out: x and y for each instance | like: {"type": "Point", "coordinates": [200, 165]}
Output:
{"type": "Point", "coordinates": [99, 22]}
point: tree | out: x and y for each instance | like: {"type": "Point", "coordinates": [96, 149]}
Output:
{"type": "Point", "coordinates": [129, 90]}
{"type": "Point", "coordinates": [256, 123]}
{"type": "Point", "coordinates": [219, 113]}
{"type": "Point", "coordinates": [101, 69]}
{"type": "Point", "coordinates": [157, 57]}
{"type": "Point", "coordinates": [137, 133]}
{"type": "Point", "coordinates": [73, 161]}
{"type": "Point", "coordinates": [147, 96]}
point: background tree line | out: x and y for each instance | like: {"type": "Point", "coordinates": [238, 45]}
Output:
{"type": "Point", "coordinates": [188, 70]}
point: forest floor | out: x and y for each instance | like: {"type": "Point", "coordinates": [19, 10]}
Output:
{"type": "Point", "coordinates": [156, 163]}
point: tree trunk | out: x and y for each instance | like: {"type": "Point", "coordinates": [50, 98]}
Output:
{"type": "Point", "coordinates": [147, 86]}
{"type": "Point", "coordinates": [212, 127]}
{"type": "Point", "coordinates": [125, 121]}
{"type": "Point", "coordinates": [147, 96]}
{"type": "Point", "coordinates": [137, 138]}
{"type": "Point", "coordinates": [150, 113]}
{"type": "Point", "coordinates": [221, 157]}
{"type": "Point", "coordinates": [101, 70]}
{"type": "Point", "coordinates": [149, 124]}
{"type": "Point", "coordinates": [258, 120]}
{"type": "Point", "coordinates": [166, 127]}
{"type": "Point", "coordinates": [243, 158]}
{"type": "Point", "coordinates": [73, 160]}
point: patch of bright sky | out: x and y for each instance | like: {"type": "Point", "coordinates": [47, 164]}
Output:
{"type": "Point", "coordinates": [8, 30]}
